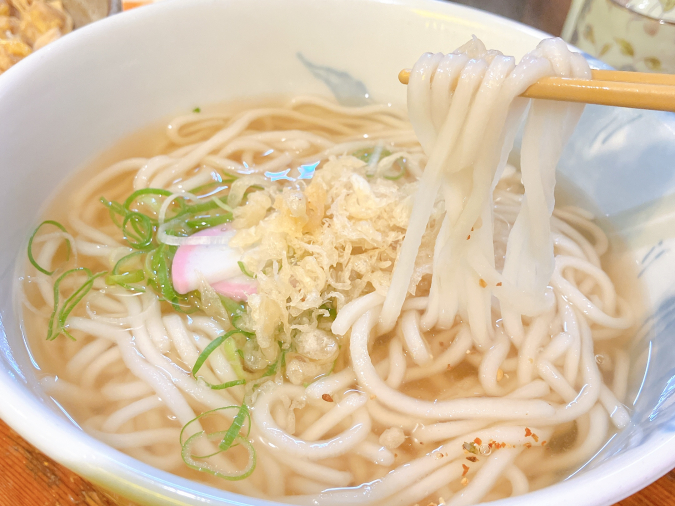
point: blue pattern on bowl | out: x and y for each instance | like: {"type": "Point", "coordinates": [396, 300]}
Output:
{"type": "Point", "coordinates": [346, 89]}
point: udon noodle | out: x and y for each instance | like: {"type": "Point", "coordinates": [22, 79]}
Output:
{"type": "Point", "coordinates": [327, 305]}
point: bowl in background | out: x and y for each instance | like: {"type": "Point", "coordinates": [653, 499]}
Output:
{"type": "Point", "coordinates": [27, 26]}
{"type": "Point", "coordinates": [65, 104]}
{"type": "Point", "coordinates": [84, 12]}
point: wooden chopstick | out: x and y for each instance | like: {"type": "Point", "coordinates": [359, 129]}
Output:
{"type": "Point", "coordinates": [633, 77]}
{"type": "Point", "coordinates": [637, 90]}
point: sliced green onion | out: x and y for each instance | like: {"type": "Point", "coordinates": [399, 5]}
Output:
{"type": "Point", "coordinates": [196, 110]}
{"type": "Point", "coordinates": [232, 355]}
{"type": "Point", "coordinates": [332, 368]}
{"type": "Point", "coordinates": [116, 210]}
{"type": "Point", "coordinates": [124, 278]}
{"type": "Point", "coordinates": [53, 333]}
{"type": "Point", "coordinates": [160, 278]}
{"type": "Point", "coordinates": [235, 428]}
{"type": "Point", "coordinates": [74, 300]}
{"type": "Point", "coordinates": [189, 459]}
{"type": "Point", "coordinates": [232, 306]}
{"type": "Point", "coordinates": [208, 221]}
{"type": "Point", "coordinates": [57, 321]}
{"type": "Point", "coordinates": [199, 208]}
{"type": "Point", "coordinates": [332, 313]}
{"type": "Point", "coordinates": [145, 191]}
{"type": "Point", "coordinates": [124, 260]}
{"type": "Point", "coordinates": [138, 228]}
{"type": "Point", "coordinates": [362, 154]}
{"type": "Point", "coordinates": [161, 260]}
{"type": "Point", "coordinates": [30, 245]}
{"type": "Point", "coordinates": [228, 439]}
{"type": "Point", "coordinates": [399, 174]}
{"type": "Point", "coordinates": [365, 154]}
{"type": "Point", "coordinates": [127, 277]}
{"type": "Point", "coordinates": [141, 233]}
{"type": "Point", "coordinates": [193, 209]}
{"type": "Point", "coordinates": [223, 386]}
{"type": "Point", "coordinates": [222, 204]}
{"type": "Point", "coordinates": [244, 269]}
{"type": "Point", "coordinates": [212, 347]}
{"type": "Point", "coordinates": [202, 415]}
{"type": "Point", "coordinates": [236, 322]}
{"type": "Point", "coordinates": [271, 370]}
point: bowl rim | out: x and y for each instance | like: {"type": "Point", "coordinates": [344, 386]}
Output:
{"type": "Point", "coordinates": [623, 475]}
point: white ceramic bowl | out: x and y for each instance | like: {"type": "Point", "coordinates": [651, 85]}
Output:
{"type": "Point", "coordinates": [80, 95]}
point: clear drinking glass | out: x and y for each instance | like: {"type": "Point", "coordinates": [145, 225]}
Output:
{"type": "Point", "coordinates": [628, 34]}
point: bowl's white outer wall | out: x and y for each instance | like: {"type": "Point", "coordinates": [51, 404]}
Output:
{"type": "Point", "coordinates": [78, 96]}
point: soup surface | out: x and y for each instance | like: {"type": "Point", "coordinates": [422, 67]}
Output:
{"type": "Point", "coordinates": [316, 240]}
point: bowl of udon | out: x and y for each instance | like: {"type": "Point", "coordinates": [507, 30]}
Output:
{"type": "Point", "coordinates": [243, 264]}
